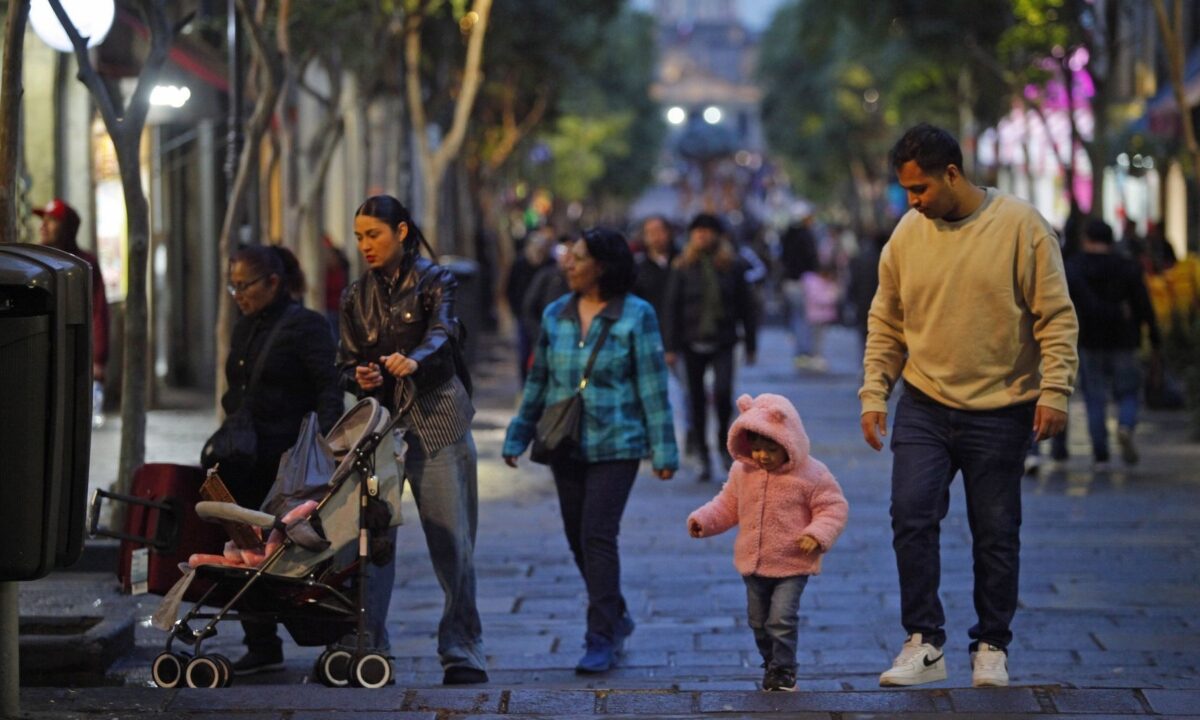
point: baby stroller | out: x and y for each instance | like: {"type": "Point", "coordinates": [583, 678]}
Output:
{"type": "Point", "coordinates": [299, 582]}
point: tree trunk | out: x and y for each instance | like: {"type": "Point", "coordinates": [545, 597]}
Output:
{"type": "Point", "coordinates": [255, 130]}
{"type": "Point", "coordinates": [124, 126]}
{"type": "Point", "coordinates": [134, 368]}
{"type": "Point", "coordinates": [967, 130]}
{"type": "Point", "coordinates": [1171, 31]}
{"type": "Point", "coordinates": [1098, 148]}
{"type": "Point", "coordinates": [10, 116]}
{"type": "Point", "coordinates": [434, 163]}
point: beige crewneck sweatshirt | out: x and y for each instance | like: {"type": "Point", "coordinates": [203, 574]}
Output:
{"type": "Point", "coordinates": [975, 312]}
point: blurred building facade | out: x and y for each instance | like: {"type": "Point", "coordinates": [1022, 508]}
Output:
{"type": "Point", "coordinates": [1142, 178]}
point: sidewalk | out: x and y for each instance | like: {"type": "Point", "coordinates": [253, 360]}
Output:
{"type": "Point", "coordinates": [1109, 623]}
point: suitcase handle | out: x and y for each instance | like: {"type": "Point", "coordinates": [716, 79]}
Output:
{"type": "Point", "coordinates": [165, 509]}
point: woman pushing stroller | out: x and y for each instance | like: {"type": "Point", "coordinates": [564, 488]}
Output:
{"type": "Point", "coordinates": [398, 320]}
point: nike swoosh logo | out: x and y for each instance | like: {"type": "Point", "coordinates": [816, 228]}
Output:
{"type": "Point", "coordinates": [929, 663]}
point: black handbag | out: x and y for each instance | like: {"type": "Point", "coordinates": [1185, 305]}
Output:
{"type": "Point", "coordinates": [235, 443]}
{"type": "Point", "coordinates": [559, 432]}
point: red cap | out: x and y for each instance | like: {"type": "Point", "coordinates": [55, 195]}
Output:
{"type": "Point", "coordinates": [56, 209]}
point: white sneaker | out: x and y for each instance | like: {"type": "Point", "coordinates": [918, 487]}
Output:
{"type": "Point", "coordinates": [989, 667]}
{"type": "Point", "coordinates": [1129, 453]}
{"type": "Point", "coordinates": [918, 663]}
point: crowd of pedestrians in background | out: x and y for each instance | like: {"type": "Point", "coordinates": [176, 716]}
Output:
{"type": "Point", "coordinates": [712, 284]}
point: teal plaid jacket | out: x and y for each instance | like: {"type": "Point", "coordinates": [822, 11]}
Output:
{"type": "Point", "coordinates": [626, 411]}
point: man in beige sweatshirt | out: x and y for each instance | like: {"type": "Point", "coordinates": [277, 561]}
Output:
{"type": "Point", "coordinates": [973, 312]}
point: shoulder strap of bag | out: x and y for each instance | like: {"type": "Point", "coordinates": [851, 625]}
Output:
{"type": "Point", "coordinates": [261, 360]}
{"type": "Point", "coordinates": [587, 371]}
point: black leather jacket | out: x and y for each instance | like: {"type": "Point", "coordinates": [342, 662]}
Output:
{"type": "Point", "coordinates": [412, 315]}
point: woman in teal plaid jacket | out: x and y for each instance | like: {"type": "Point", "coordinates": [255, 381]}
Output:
{"type": "Point", "coordinates": [627, 417]}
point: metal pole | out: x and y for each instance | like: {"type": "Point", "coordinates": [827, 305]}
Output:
{"type": "Point", "coordinates": [10, 661]}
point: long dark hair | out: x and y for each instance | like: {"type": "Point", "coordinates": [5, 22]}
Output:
{"type": "Point", "coordinates": [392, 212]}
{"type": "Point", "coordinates": [610, 249]}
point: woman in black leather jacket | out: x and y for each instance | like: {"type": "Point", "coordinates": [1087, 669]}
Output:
{"type": "Point", "coordinates": [397, 321]}
{"type": "Point", "coordinates": [297, 377]}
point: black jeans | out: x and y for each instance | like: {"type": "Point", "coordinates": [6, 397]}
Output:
{"type": "Point", "coordinates": [696, 363]}
{"type": "Point", "coordinates": [592, 497]}
{"type": "Point", "coordinates": [930, 444]}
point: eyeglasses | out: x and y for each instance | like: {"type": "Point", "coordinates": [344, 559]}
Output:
{"type": "Point", "coordinates": [239, 288]}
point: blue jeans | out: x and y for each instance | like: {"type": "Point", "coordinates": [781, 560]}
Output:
{"type": "Point", "coordinates": [793, 295]}
{"type": "Point", "coordinates": [773, 611]}
{"type": "Point", "coordinates": [446, 492]}
{"type": "Point", "coordinates": [592, 498]}
{"type": "Point", "coordinates": [1100, 371]}
{"type": "Point", "coordinates": [930, 444]}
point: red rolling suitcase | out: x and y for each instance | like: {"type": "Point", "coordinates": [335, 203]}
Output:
{"type": "Point", "coordinates": [161, 516]}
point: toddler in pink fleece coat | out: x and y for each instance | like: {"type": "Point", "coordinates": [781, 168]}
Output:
{"type": "Point", "coordinates": [789, 510]}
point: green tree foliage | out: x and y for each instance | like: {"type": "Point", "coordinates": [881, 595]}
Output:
{"type": "Point", "coordinates": [841, 80]}
{"type": "Point", "coordinates": [573, 77]}
{"type": "Point", "coordinates": [534, 50]}
{"type": "Point", "coordinates": [622, 74]}
{"type": "Point", "coordinates": [582, 147]}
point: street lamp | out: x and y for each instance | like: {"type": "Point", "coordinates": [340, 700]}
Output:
{"type": "Point", "coordinates": [170, 95]}
{"type": "Point", "coordinates": [91, 18]}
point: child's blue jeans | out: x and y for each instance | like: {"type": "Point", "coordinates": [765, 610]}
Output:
{"type": "Point", "coordinates": [773, 610]}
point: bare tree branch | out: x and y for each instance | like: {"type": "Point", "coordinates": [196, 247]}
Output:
{"type": "Point", "coordinates": [1171, 31]}
{"type": "Point", "coordinates": [87, 74]}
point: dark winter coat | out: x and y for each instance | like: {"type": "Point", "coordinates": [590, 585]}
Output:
{"type": "Point", "coordinates": [298, 377]}
{"type": "Point", "coordinates": [684, 301]}
{"type": "Point", "coordinates": [1110, 300]}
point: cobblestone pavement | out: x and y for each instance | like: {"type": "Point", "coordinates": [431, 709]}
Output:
{"type": "Point", "coordinates": [1109, 624]}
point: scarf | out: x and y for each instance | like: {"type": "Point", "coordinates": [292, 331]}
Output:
{"type": "Point", "coordinates": [711, 310]}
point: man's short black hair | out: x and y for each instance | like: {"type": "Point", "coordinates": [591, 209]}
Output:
{"type": "Point", "coordinates": [930, 146]}
{"type": "Point", "coordinates": [706, 221]}
{"type": "Point", "coordinates": [1099, 231]}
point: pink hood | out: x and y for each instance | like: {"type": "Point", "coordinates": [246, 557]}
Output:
{"type": "Point", "coordinates": [775, 417]}
{"type": "Point", "coordinates": [774, 510]}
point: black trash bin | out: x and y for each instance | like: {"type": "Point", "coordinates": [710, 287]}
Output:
{"type": "Point", "coordinates": [46, 408]}
{"type": "Point", "coordinates": [468, 300]}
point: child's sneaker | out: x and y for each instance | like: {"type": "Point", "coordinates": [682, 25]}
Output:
{"type": "Point", "coordinates": [918, 663]}
{"type": "Point", "coordinates": [779, 680]}
{"type": "Point", "coordinates": [989, 667]}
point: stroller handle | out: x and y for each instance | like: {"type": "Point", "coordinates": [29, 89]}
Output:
{"type": "Point", "coordinates": [406, 395]}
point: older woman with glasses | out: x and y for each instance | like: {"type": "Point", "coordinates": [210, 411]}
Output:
{"type": "Point", "coordinates": [297, 376]}
{"type": "Point", "coordinates": [627, 417]}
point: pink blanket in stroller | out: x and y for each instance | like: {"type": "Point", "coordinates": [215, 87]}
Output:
{"type": "Point", "coordinates": [253, 557]}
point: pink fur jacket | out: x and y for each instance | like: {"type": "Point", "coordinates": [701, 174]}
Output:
{"type": "Point", "coordinates": [774, 510]}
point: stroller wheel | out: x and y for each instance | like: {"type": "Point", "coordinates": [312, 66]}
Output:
{"type": "Point", "coordinates": [371, 671]}
{"type": "Point", "coordinates": [203, 672]}
{"type": "Point", "coordinates": [333, 668]}
{"type": "Point", "coordinates": [226, 669]}
{"type": "Point", "coordinates": [167, 669]}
